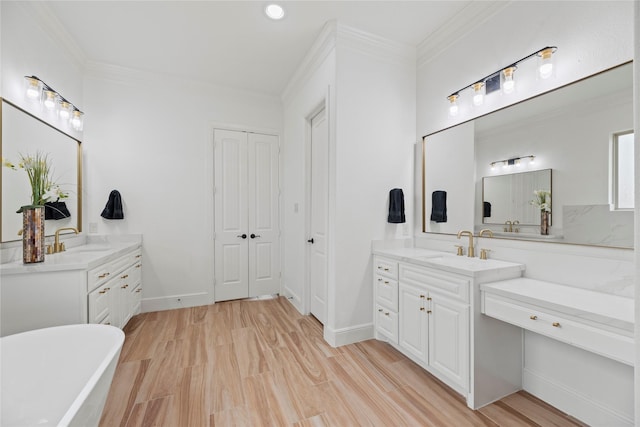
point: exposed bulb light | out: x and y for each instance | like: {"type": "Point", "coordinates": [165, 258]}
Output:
{"type": "Point", "coordinates": [32, 88]}
{"type": "Point", "coordinates": [453, 104]}
{"type": "Point", "coordinates": [77, 120]}
{"type": "Point", "coordinates": [65, 110]}
{"type": "Point", "coordinates": [515, 161]}
{"type": "Point", "coordinates": [49, 100]}
{"type": "Point", "coordinates": [478, 94]}
{"type": "Point", "coordinates": [508, 85]}
{"type": "Point", "coordinates": [545, 66]}
{"type": "Point", "coordinates": [274, 11]}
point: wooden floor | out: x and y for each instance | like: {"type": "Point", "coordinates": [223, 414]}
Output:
{"type": "Point", "coordinates": [254, 363]}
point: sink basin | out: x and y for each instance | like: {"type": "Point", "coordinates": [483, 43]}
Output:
{"type": "Point", "coordinates": [91, 248]}
{"type": "Point", "coordinates": [466, 263]}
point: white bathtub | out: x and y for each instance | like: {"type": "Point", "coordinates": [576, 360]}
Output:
{"type": "Point", "coordinates": [57, 376]}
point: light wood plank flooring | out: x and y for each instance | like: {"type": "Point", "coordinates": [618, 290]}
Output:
{"type": "Point", "coordinates": [260, 363]}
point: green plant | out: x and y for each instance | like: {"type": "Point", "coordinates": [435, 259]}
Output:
{"type": "Point", "coordinates": [542, 200]}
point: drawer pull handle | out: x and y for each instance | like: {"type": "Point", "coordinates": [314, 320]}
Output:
{"type": "Point", "coordinates": [104, 291]}
{"type": "Point", "coordinates": [533, 317]}
{"type": "Point", "coordinates": [428, 311]}
{"type": "Point", "coordinates": [103, 275]}
{"type": "Point", "coordinates": [139, 265]}
{"type": "Point", "coordinates": [108, 323]}
{"type": "Point", "coordinates": [422, 296]}
{"type": "Point", "coordinates": [382, 268]}
{"type": "Point", "coordinates": [421, 308]}
{"type": "Point", "coordinates": [556, 324]}
{"type": "Point", "coordinates": [429, 299]}
{"type": "Point", "coordinates": [138, 256]}
{"type": "Point", "coordinates": [380, 310]}
{"type": "Point", "coordinates": [139, 290]}
{"type": "Point", "coordinates": [124, 287]}
{"type": "Point", "coordinates": [379, 280]}
{"type": "Point", "coordinates": [124, 277]}
{"type": "Point", "coordinates": [387, 313]}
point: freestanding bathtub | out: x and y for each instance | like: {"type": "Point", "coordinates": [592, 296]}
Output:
{"type": "Point", "coordinates": [57, 376]}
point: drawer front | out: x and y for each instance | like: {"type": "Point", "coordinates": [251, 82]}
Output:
{"type": "Point", "coordinates": [446, 284]}
{"type": "Point", "coordinates": [606, 343]}
{"type": "Point", "coordinates": [136, 300]}
{"type": "Point", "coordinates": [386, 267]}
{"type": "Point", "coordinates": [99, 303]}
{"type": "Point", "coordinates": [387, 323]}
{"type": "Point", "coordinates": [386, 292]}
{"type": "Point", "coordinates": [98, 275]}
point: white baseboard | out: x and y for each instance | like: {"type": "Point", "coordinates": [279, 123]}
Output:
{"type": "Point", "coordinates": [293, 299]}
{"type": "Point", "coordinates": [573, 402]}
{"type": "Point", "coordinates": [344, 336]}
{"type": "Point", "coordinates": [175, 301]}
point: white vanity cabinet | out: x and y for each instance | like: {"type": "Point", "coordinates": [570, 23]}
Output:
{"type": "Point", "coordinates": [99, 284]}
{"type": "Point", "coordinates": [434, 322]}
{"type": "Point", "coordinates": [385, 283]}
{"type": "Point", "coordinates": [115, 290]}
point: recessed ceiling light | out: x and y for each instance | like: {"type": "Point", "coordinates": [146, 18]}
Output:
{"type": "Point", "coordinates": [274, 11]}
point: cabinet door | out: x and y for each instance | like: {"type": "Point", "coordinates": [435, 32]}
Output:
{"type": "Point", "coordinates": [413, 327]}
{"type": "Point", "coordinates": [449, 339]}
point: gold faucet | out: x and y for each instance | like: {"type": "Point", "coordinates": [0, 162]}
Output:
{"type": "Point", "coordinates": [516, 222]}
{"type": "Point", "coordinates": [510, 228]}
{"type": "Point", "coordinates": [471, 251]}
{"type": "Point", "coordinates": [485, 230]}
{"type": "Point", "coordinates": [57, 246]}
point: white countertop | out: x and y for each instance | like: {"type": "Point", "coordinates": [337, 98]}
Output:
{"type": "Point", "coordinates": [95, 251]}
{"type": "Point", "coordinates": [474, 267]}
{"type": "Point", "coordinates": [590, 305]}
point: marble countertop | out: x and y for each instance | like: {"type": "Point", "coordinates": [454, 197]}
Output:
{"type": "Point", "coordinates": [473, 267]}
{"type": "Point", "coordinates": [83, 253]}
{"type": "Point", "coordinates": [608, 309]}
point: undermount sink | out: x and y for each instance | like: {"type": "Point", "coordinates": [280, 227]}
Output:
{"type": "Point", "coordinates": [91, 248]}
{"type": "Point", "coordinates": [466, 263]}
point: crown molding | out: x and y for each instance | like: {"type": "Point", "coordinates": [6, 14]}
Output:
{"type": "Point", "coordinates": [474, 15]}
{"type": "Point", "coordinates": [51, 25]}
{"type": "Point", "coordinates": [321, 48]}
{"type": "Point", "coordinates": [376, 46]}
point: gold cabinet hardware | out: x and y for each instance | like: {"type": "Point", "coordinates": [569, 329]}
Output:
{"type": "Point", "coordinates": [379, 280]}
{"type": "Point", "coordinates": [556, 324]}
{"type": "Point", "coordinates": [386, 313]}
{"type": "Point", "coordinates": [421, 308]}
{"type": "Point", "coordinates": [138, 256]}
{"type": "Point", "coordinates": [428, 298]}
{"type": "Point", "coordinates": [422, 296]}
{"type": "Point", "coordinates": [104, 291]}
{"type": "Point", "coordinates": [139, 290]}
{"type": "Point", "coordinates": [380, 310]}
{"type": "Point", "coordinates": [533, 317]}
{"type": "Point", "coordinates": [124, 277]}
{"type": "Point", "coordinates": [428, 311]}
{"type": "Point", "coordinates": [124, 287]}
{"type": "Point", "coordinates": [382, 268]}
{"type": "Point", "coordinates": [108, 323]}
{"type": "Point", "coordinates": [139, 265]}
{"type": "Point", "coordinates": [103, 275]}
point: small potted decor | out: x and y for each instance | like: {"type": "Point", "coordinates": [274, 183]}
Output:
{"type": "Point", "coordinates": [543, 202]}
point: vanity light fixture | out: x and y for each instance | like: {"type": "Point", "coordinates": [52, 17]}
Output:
{"type": "Point", "coordinates": [37, 90]}
{"type": "Point", "coordinates": [453, 104]}
{"type": "Point", "coordinates": [274, 11]}
{"type": "Point", "coordinates": [515, 161]}
{"type": "Point", "coordinates": [545, 70]}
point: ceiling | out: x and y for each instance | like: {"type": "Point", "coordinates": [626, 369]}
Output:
{"type": "Point", "coordinates": [232, 43]}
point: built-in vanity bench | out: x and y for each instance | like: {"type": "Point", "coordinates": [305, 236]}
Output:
{"type": "Point", "coordinates": [98, 281]}
{"type": "Point", "coordinates": [595, 321]}
{"type": "Point", "coordinates": [427, 305]}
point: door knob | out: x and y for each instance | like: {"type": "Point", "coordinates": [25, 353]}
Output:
{"type": "Point", "coordinates": [244, 236]}
{"type": "Point", "coordinates": [310, 240]}
{"type": "Point", "coordinates": [253, 236]}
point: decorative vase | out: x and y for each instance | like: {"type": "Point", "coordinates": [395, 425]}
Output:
{"type": "Point", "coordinates": [33, 247]}
{"type": "Point", "coordinates": [544, 223]}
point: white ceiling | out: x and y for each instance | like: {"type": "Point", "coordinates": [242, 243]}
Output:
{"type": "Point", "coordinates": [232, 43]}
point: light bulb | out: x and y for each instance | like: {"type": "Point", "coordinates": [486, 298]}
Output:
{"type": "Point", "coordinates": [505, 164]}
{"type": "Point", "coordinates": [509, 84]}
{"type": "Point", "coordinates": [478, 96]}
{"type": "Point", "coordinates": [545, 67]}
{"type": "Point", "coordinates": [33, 88]}
{"type": "Point", "coordinates": [76, 120]}
{"type": "Point", "coordinates": [493, 166]}
{"type": "Point", "coordinates": [49, 99]}
{"type": "Point", "coordinates": [453, 106]}
{"type": "Point", "coordinates": [274, 11]}
{"type": "Point", "coordinates": [65, 110]}
{"type": "Point", "coordinates": [533, 159]}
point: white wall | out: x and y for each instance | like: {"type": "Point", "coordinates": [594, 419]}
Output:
{"type": "Point", "coordinates": [636, 115]}
{"type": "Point", "coordinates": [591, 37]}
{"type": "Point", "coordinates": [151, 138]}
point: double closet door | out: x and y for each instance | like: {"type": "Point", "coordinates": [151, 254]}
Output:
{"type": "Point", "coordinates": [247, 235]}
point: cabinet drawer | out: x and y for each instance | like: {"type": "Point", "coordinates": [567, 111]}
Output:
{"type": "Point", "coordinates": [99, 303]}
{"type": "Point", "coordinates": [386, 267]}
{"type": "Point", "coordinates": [604, 342]}
{"type": "Point", "coordinates": [450, 285]}
{"type": "Point", "coordinates": [386, 292]}
{"type": "Point", "coordinates": [387, 323]}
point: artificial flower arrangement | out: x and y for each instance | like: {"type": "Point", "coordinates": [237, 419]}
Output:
{"type": "Point", "coordinates": [542, 200]}
{"type": "Point", "coordinates": [39, 171]}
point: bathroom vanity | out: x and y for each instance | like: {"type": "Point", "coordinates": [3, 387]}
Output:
{"type": "Point", "coordinates": [99, 281]}
{"type": "Point", "coordinates": [427, 305]}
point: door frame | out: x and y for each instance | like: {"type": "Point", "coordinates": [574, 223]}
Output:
{"type": "Point", "coordinates": [210, 202]}
{"type": "Point", "coordinates": [322, 105]}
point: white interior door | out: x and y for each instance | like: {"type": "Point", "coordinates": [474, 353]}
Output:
{"type": "Point", "coordinates": [263, 203]}
{"type": "Point", "coordinates": [231, 215]}
{"type": "Point", "coordinates": [318, 215]}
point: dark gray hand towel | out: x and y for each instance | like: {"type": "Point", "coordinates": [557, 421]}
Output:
{"type": "Point", "coordinates": [439, 206]}
{"type": "Point", "coordinates": [113, 208]}
{"type": "Point", "coordinates": [486, 209]}
{"type": "Point", "coordinates": [396, 206]}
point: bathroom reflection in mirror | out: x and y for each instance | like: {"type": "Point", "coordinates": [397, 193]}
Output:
{"type": "Point", "coordinates": [507, 198]}
{"type": "Point", "coordinates": [23, 134]}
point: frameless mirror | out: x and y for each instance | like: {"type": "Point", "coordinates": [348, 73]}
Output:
{"type": "Point", "coordinates": [569, 130]}
{"type": "Point", "coordinates": [24, 134]}
{"type": "Point", "coordinates": [508, 197]}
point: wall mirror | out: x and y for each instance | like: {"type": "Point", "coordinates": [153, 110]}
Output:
{"type": "Point", "coordinates": [22, 133]}
{"type": "Point", "coordinates": [506, 198]}
{"type": "Point", "coordinates": [570, 131]}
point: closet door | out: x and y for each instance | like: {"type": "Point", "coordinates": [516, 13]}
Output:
{"type": "Point", "coordinates": [231, 215]}
{"type": "Point", "coordinates": [263, 203]}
